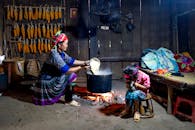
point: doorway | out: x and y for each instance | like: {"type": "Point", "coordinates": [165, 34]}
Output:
{"type": "Point", "coordinates": [186, 31]}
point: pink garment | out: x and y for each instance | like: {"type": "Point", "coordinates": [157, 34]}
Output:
{"type": "Point", "coordinates": [143, 79]}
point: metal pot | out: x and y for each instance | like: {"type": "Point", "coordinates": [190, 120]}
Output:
{"type": "Point", "coordinates": [99, 83]}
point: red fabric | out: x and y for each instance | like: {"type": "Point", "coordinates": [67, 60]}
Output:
{"type": "Point", "coordinates": [126, 76]}
{"type": "Point", "coordinates": [60, 38]}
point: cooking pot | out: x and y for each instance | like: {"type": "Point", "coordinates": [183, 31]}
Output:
{"type": "Point", "coordinates": [100, 83]}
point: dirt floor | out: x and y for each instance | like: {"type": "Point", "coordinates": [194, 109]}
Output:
{"type": "Point", "coordinates": [17, 112]}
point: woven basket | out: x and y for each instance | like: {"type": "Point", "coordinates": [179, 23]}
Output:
{"type": "Point", "coordinates": [33, 67]}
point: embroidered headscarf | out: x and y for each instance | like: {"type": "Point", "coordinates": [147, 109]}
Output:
{"type": "Point", "coordinates": [59, 37]}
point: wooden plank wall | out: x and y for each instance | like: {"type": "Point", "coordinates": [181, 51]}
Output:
{"type": "Point", "coordinates": [152, 22]}
{"type": "Point", "coordinates": [154, 28]}
{"type": "Point", "coordinates": [155, 24]}
{"type": "Point", "coordinates": [1, 28]}
{"type": "Point", "coordinates": [8, 23]}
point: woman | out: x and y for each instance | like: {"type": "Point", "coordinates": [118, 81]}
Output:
{"type": "Point", "coordinates": [57, 74]}
{"type": "Point", "coordinates": [138, 84]}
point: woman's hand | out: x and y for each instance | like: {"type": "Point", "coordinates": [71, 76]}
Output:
{"type": "Point", "coordinates": [79, 65]}
{"type": "Point", "coordinates": [86, 67]}
{"type": "Point", "coordinates": [86, 63]}
{"type": "Point", "coordinates": [81, 62]}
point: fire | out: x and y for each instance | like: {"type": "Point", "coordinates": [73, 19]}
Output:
{"type": "Point", "coordinates": [101, 97]}
{"type": "Point", "coordinates": [97, 98]}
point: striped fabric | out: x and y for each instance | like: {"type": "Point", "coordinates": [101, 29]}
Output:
{"type": "Point", "coordinates": [50, 89]}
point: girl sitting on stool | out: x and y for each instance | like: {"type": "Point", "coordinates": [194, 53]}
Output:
{"type": "Point", "coordinates": [138, 84]}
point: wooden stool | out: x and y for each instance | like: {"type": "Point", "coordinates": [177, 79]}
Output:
{"type": "Point", "coordinates": [147, 111]}
{"type": "Point", "coordinates": [176, 111]}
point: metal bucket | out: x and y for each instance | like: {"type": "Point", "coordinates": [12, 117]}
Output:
{"type": "Point", "coordinates": [3, 82]}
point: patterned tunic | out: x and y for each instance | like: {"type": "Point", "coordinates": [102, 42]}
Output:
{"type": "Point", "coordinates": [53, 78]}
{"type": "Point", "coordinates": [143, 79]}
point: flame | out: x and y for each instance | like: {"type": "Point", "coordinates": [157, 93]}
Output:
{"type": "Point", "coordinates": [97, 98]}
{"type": "Point", "coordinates": [101, 97]}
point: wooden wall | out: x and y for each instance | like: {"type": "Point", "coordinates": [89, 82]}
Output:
{"type": "Point", "coordinates": [152, 30]}
{"type": "Point", "coordinates": [155, 27]}
{"type": "Point", "coordinates": [1, 29]}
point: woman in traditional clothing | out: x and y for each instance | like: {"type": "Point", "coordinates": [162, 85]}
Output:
{"type": "Point", "coordinates": [57, 74]}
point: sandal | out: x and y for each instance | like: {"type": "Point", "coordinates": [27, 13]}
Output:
{"type": "Point", "coordinates": [136, 117]}
{"type": "Point", "coordinates": [74, 103]}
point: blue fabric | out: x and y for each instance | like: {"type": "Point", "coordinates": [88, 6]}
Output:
{"type": "Point", "coordinates": [64, 69]}
{"type": "Point", "coordinates": [134, 95]}
{"type": "Point", "coordinates": [69, 60]}
{"type": "Point", "coordinates": [69, 63]}
{"type": "Point", "coordinates": [159, 59]}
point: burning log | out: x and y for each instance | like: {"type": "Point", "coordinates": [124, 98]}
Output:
{"type": "Point", "coordinates": [98, 98]}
